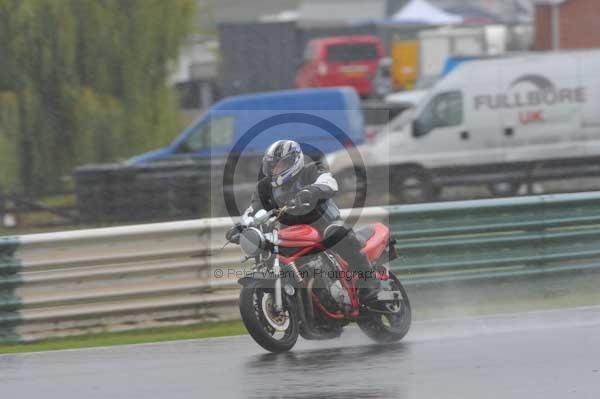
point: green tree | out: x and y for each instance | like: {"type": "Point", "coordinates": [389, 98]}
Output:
{"type": "Point", "coordinates": [84, 81]}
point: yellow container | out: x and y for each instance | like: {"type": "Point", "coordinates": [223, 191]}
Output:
{"type": "Point", "coordinates": [405, 64]}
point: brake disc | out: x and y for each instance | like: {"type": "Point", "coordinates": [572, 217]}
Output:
{"type": "Point", "coordinates": [279, 321]}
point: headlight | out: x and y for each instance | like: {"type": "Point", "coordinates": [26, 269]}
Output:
{"type": "Point", "coordinates": [252, 241]}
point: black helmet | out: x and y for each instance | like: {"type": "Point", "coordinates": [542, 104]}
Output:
{"type": "Point", "coordinates": [282, 161]}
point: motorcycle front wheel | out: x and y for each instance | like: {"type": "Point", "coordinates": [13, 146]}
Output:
{"type": "Point", "coordinates": [392, 323]}
{"type": "Point", "coordinates": [274, 331]}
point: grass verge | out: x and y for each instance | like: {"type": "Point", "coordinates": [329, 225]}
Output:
{"type": "Point", "coordinates": [160, 334]}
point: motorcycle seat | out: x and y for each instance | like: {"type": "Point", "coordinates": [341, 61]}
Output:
{"type": "Point", "coordinates": [374, 239]}
{"type": "Point", "coordinates": [364, 233]}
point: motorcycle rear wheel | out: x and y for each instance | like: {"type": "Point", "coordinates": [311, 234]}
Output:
{"type": "Point", "coordinates": [386, 328]}
{"type": "Point", "coordinates": [274, 332]}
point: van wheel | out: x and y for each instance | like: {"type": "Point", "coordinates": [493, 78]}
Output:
{"type": "Point", "coordinates": [353, 182]}
{"type": "Point", "coordinates": [504, 188]}
{"type": "Point", "coordinates": [412, 188]}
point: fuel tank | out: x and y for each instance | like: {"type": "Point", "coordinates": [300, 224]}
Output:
{"type": "Point", "coordinates": [298, 236]}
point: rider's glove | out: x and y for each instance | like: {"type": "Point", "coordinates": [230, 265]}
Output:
{"type": "Point", "coordinates": [306, 198]}
{"type": "Point", "coordinates": [233, 234]}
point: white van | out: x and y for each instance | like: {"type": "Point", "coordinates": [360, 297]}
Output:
{"type": "Point", "coordinates": [493, 121]}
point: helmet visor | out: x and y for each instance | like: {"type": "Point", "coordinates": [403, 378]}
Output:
{"type": "Point", "coordinates": [283, 165]}
{"type": "Point", "coordinates": [275, 167]}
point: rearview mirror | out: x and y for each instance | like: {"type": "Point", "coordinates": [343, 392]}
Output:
{"type": "Point", "coordinates": [261, 216]}
{"type": "Point", "coordinates": [417, 129]}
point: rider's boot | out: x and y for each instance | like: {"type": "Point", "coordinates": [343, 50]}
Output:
{"type": "Point", "coordinates": [368, 284]}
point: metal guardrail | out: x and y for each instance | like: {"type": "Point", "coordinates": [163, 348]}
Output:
{"type": "Point", "coordinates": [130, 277]}
{"type": "Point", "coordinates": [509, 237]}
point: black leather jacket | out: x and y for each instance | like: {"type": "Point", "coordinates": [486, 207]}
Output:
{"type": "Point", "coordinates": [315, 176]}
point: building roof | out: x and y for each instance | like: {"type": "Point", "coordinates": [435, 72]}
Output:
{"type": "Point", "coordinates": [342, 10]}
{"type": "Point", "coordinates": [548, 2]}
{"type": "Point", "coordinates": [243, 11]}
{"type": "Point", "coordinates": [508, 11]}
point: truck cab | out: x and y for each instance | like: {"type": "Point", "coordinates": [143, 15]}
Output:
{"type": "Point", "coordinates": [341, 61]}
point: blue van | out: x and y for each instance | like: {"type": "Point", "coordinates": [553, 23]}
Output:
{"type": "Point", "coordinates": [321, 120]}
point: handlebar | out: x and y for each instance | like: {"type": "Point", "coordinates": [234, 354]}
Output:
{"type": "Point", "coordinates": [281, 211]}
{"type": "Point", "coordinates": [260, 218]}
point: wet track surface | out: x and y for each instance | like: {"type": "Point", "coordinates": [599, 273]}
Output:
{"type": "Point", "coordinates": [554, 354]}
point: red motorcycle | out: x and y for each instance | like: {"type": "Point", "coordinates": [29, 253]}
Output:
{"type": "Point", "coordinates": [299, 287]}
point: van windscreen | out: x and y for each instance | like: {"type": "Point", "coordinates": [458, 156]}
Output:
{"type": "Point", "coordinates": [351, 52]}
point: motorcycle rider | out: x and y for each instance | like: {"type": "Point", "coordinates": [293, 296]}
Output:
{"type": "Point", "coordinates": [286, 177]}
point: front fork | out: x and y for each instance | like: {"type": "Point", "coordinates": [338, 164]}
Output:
{"type": "Point", "coordinates": [277, 271]}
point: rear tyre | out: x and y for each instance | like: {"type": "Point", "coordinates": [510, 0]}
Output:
{"type": "Point", "coordinates": [274, 332]}
{"type": "Point", "coordinates": [386, 327]}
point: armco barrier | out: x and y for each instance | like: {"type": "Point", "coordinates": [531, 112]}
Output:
{"type": "Point", "coordinates": [131, 277]}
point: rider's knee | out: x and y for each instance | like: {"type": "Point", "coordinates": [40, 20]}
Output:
{"type": "Point", "coordinates": [337, 232]}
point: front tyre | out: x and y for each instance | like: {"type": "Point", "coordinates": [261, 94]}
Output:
{"type": "Point", "coordinates": [392, 323]}
{"type": "Point", "coordinates": [274, 332]}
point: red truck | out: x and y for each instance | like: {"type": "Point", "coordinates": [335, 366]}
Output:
{"type": "Point", "coordinates": [341, 61]}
